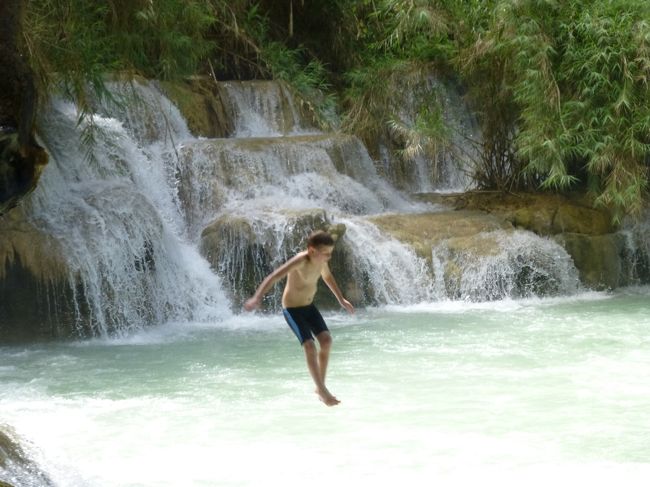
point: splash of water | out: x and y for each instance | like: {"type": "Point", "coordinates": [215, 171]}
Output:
{"type": "Point", "coordinates": [501, 264]}
{"type": "Point", "coordinates": [116, 216]}
{"type": "Point", "coordinates": [130, 217]}
{"type": "Point", "coordinates": [264, 109]}
{"type": "Point", "coordinates": [387, 271]}
{"type": "Point", "coordinates": [636, 249]}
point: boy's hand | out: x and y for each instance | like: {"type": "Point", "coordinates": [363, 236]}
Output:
{"type": "Point", "coordinates": [251, 304]}
{"type": "Point", "coordinates": [347, 305]}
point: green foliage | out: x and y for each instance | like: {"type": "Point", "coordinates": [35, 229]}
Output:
{"type": "Point", "coordinates": [606, 110]}
{"type": "Point", "coordinates": [74, 44]}
{"type": "Point", "coordinates": [406, 41]}
{"type": "Point", "coordinates": [309, 80]}
{"type": "Point", "coordinates": [80, 41]}
{"type": "Point", "coordinates": [571, 80]}
{"type": "Point", "coordinates": [560, 87]}
{"type": "Point", "coordinates": [426, 136]}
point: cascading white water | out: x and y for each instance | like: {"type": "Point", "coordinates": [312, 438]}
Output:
{"type": "Point", "coordinates": [392, 272]}
{"type": "Point", "coordinates": [116, 216]}
{"type": "Point", "coordinates": [516, 264]}
{"type": "Point", "coordinates": [264, 181]}
{"type": "Point", "coordinates": [130, 216]}
{"type": "Point", "coordinates": [264, 109]}
{"type": "Point", "coordinates": [636, 249]}
{"type": "Point", "coordinates": [447, 167]}
{"type": "Point", "coordinates": [247, 176]}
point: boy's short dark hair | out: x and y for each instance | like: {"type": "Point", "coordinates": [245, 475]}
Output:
{"type": "Point", "coordinates": [320, 237]}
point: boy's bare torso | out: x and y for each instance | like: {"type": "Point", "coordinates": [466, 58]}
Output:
{"type": "Point", "coordinates": [302, 282]}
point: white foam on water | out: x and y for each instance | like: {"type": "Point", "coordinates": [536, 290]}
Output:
{"type": "Point", "coordinates": [502, 305]}
{"type": "Point", "coordinates": [556, 392]}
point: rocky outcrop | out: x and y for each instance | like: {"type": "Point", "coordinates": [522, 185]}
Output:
{"type": "Point", "coordinates": [425, 231]}
{"type": "Point", "coordinates": [243, 252]}
{"type": "Point", "coordinates": [16, 466]}
{"type": "Point", "coordinates": [603, 260]}
{"type": "Point", "coordinates": [201, 101]}
{"type": "Point", "coordinates": [35, 295]}
{"type": "Point", "coordinates": [587, 233]}
{"type": "Point", "coordinates": [219, 109]}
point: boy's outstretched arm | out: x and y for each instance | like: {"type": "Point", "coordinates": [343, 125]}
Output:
{"type": "Point", "coordinates": [328, 277]}
{"type": "Point", "coordinates": [268, 282]}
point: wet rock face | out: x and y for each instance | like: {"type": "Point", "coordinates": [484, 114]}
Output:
{"type": "Point", "coordinates": [478, 256]}
{"type": "Point", "coordinates": [35, 296]}
{"type": "Point", "coordinates": [19, 168]}
{"type": "Point", "coordinates": [214, 109]}
{"type": "Point", "coordinates": [243, 251]}
{"type": "Point", "coordinates": [21, 158]}
{"type": "Point", "coordinates": [425, 230]}
{"type": "Point", "coordinates": [201, 102]}
{"type": "Point", "coordinates": [16, 468]}
{"type": "Point", "coordinates": [601, 259]}
{"type": "Point", "coordinates": [599, 249]}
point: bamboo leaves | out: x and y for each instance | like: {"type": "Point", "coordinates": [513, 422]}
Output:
{"type": "Point", "coordinates": [578, 75]}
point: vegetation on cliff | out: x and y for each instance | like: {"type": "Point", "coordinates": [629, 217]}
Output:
{"type": "Point", "coordinates": [560, 88]}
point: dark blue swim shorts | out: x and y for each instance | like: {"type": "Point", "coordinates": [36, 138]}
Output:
{"type": "Point", "coordinates": [305, 321]}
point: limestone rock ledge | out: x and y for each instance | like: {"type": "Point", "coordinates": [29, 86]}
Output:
{"type": "Point", "coordinates": [244, 251]}
{"type": "Point", "coordinates": [423, 231]}
{"type": "Point", "coordinates": [479, 256]}
{"type": "Point", "coordinates": [16, 466]}
{"type": "Point", "coordinates": [596, 245]}
{"type": "Point", "coordinates": [35, 295]}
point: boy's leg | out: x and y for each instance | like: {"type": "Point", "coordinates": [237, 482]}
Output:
{"type": "Point", "coordinates": [325, 341]}
{"type": "Point", "coordinates": [311, 356]}
{"type": "Point", "coordinates": [301, 320]}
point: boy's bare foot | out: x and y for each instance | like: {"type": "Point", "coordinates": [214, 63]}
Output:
{"type": "Point", "coordinates": [326, 397]}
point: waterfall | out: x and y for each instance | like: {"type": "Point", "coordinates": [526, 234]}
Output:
{"type": "Point", "coordinates": [116, 213]}
{"type": "Point", "coordinates": [265, 189]}
{"type": "Point", "coordinates": [446, 166]}
{"type": "Point", "coordinates": [249, 176]}
{"type": "Point", "coordinates": [389, 271]}
{"type": "Point", "coordinates": [263, 109]}
{"type": "Point", "coordinates": [502, 264]}
{"type": "Point", "coordinates": [636, 249]}
{"type": "Point", "coordinates": [158, 225]}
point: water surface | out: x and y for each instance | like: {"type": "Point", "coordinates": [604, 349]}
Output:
{"type": "Point", "coordinates": [535, 392]}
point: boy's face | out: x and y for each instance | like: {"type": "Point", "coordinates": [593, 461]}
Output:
{"type": "Point", "coordinates": [322, 253]}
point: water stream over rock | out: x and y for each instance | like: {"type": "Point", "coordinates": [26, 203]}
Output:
{"type": "Point", "coordinates": [158, 225]}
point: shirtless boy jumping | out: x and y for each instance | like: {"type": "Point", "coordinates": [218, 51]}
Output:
{"type": "Point", "coordinates": [302, 272]}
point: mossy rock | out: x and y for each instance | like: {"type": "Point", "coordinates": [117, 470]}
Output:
{"type": "Point", "coordinates": [426, 230]}
{"type": "Point", "coordinates": [200, 100]}
{"type": "Point", "coordinates": [244, 251]}
{"type": "Point", "coordinates": [36, 299]}
{"type": "Point", "coordinates": [597, 258]}
{"type": "Point", "coordinates": [538, 219]}
{"type": "Point", "coordinates": [39, 253]}
{"type": "Point", "coordinates": [543, 213]}
{"type": "Point", "coordinates": [480, 245]}
{"type": "Point", "coordinates": [580, 219]}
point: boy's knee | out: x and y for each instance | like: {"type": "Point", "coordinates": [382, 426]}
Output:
{"type": "Point", "coordinates": [325, 340]}
{"type": "Point", "coordinates": [309, 346]}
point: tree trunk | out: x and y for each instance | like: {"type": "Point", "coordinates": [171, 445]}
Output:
{"type": "Point", "coordinates": [21, 158]}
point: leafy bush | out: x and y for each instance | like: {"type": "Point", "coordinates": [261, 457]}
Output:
{"type": "Point", "coordinates": [560, 87]}
{"type": "Point", "coordinates": [569, 81]}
